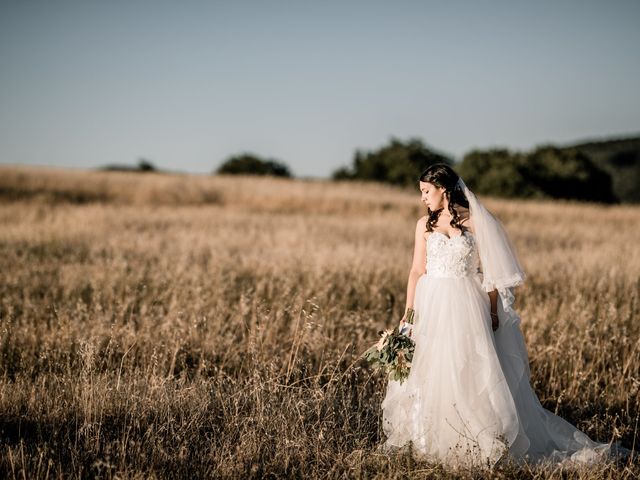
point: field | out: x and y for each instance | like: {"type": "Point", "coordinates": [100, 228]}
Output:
{"type": "Point", "coordinates": [175, 326]}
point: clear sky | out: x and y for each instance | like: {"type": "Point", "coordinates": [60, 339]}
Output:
{"type": "Point", "coordinates": [186, 83]}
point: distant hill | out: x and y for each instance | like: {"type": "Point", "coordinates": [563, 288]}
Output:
{"type": "Point", "coordinates": [142, 166]}
{"type": "Point", "coordinates": [621, 159]}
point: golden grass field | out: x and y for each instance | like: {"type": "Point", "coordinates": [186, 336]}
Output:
{"type": "Point", "coordinates": [184, 326]}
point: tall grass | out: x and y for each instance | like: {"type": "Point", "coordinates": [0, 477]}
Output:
{"type": "Point", "coordinates": [165, 326]}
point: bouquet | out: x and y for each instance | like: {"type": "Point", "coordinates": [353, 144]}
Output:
{"type": "Point", "coordinates": [394, 351]}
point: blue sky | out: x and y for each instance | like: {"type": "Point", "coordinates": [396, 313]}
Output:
{"type": "Point", "coordinates": [186, 84]}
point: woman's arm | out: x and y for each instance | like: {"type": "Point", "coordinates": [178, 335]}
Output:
{"type": "Point", "coordinates": [418, 265]}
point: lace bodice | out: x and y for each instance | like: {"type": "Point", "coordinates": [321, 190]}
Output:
{"type": "Point", "coordinates": [452, 257]}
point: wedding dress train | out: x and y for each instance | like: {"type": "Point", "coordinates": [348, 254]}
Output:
{"type": "Point", "coordinates": [467, 399]}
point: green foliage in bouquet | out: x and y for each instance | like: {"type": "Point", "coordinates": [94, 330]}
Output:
{"type": "Point", "coordinates": [393, 353]}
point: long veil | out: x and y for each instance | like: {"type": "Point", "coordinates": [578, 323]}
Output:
{"type": "Point", "coordinates": [501, 269]}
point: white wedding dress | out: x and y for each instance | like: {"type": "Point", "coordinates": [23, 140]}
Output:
{"type": "Point", "coordinates": [467, 400]}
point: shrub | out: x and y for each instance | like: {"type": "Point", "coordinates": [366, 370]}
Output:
{"type": "Point", "coordinates": [249, 164]}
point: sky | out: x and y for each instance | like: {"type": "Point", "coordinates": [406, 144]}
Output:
{"type": "Point", "coordinates": [187, 84]}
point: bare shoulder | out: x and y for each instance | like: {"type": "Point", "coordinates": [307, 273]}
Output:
{"type": "Point", "coordinates": [421, 227]}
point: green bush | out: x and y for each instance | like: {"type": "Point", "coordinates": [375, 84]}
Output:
{"type": "Point", "coordinates": [497, 172]}
{"type": "Point", "coordinates": [248, 164]}
{"type": "Point", "coordinates": [568, 173]}
{"type": "Point", "coordinates": [546, 172]}
{"type": "Point", "coordinates": [398, 163]}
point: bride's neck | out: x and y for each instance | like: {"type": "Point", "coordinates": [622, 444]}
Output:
{"type": "Point", "coordinates": [445, 213]}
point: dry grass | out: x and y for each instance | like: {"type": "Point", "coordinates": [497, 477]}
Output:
{"type": "Point", "coordinates": [164, 326]}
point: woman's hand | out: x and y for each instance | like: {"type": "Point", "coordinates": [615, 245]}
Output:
{"type": "Point", "coordinates": [406, 322]}
{"type": "Point", "coordinates": [404, 325]}
{"type": "Point", "coordinates": [495, 323]}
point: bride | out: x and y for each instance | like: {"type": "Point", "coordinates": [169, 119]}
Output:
{"type": "Point", "coordinates": [467, 400]}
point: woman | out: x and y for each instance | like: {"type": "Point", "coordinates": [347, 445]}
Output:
{"type": "Point", "coordinates": [467, 400]}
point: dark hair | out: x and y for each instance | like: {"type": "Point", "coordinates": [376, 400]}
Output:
{"type": "Point", "coordinates": [442, 175]}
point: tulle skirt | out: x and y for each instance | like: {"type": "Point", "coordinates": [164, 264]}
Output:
{"type": "Point", "coordinates": [468, 400]}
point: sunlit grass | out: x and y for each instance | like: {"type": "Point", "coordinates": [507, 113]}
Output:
{"type": "Point", "coordinates": [193, 326]}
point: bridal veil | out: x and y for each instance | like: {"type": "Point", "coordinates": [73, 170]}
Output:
{"type": "Point", "coordinates": [501, 269]}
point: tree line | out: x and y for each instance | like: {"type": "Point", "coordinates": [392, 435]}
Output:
{"type": "Point", "coordinates": [545, 172]}
{"type": "Point", "coordinates": [605, 172]}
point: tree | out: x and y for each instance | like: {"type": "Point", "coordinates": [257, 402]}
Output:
{"type": "Point", "coordinates": [249, 164]}
{"type": "Point", "coordinates": [546, 172]}
{"type": "Point", "coordinates": [399, 163]}
{"type": "Point", "coordinates": [497, 172]}
{"type": "Point", "coordinates": [145, 165]}
{"type": "Point", "coordinates": [568, 173]}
